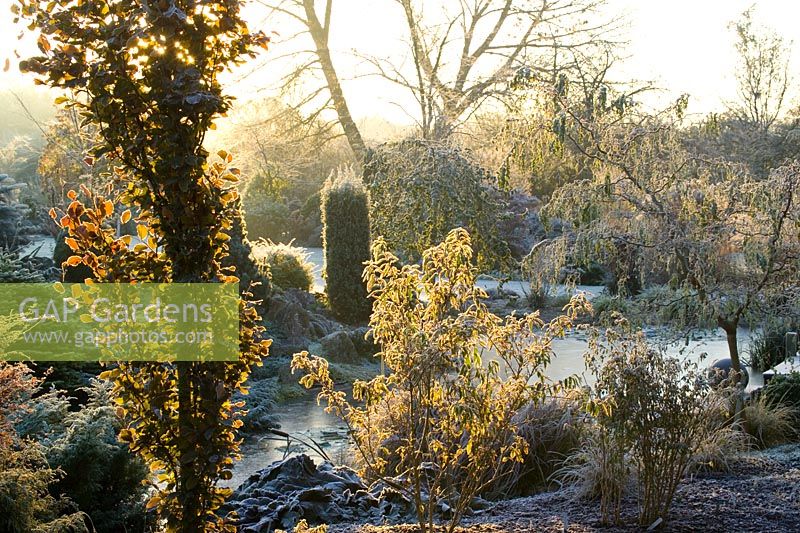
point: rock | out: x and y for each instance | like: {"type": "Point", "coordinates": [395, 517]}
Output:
{"type": "Point", "coordinates": [287, 491]}
{"type": "Point", "coordinates": [291, 311]}
{"type": "Point", "coordinates": [498, 306]}
{"type": "Point", "coordinates": [362, 340]}
{"type": "Point", "coordinates": [720, 369]}
{"type": "Point", "coordinates": [338, 347]}
{"type": "Point", "coordinates": [282, 347]}
{"type": "Point", "coordinates": [260, 405]}
{"type": "Point", "coordinates": [501, 293]}
{"type": "Point", "coordinates": [520, 223]}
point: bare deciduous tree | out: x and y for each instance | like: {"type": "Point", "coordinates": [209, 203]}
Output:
{"type": "Point", "coordinates": [469, 51]}
{"type": "Point", "coordinates": [763, 73]}
{"type": "Point", "coordinates": [316, 24]}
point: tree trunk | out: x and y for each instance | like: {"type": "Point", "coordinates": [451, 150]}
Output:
{"type": "Point", "coordinates": [191, 519]}
{"type": "Point", "coordinates": [730, 327]}
{"type": "Point", "coordinates": [192, 255]}
{"type": "Point", "coordinates": [320, 35]}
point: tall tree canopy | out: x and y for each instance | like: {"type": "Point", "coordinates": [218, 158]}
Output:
{"type": "Point", "coordinates": [762, 73]}
{"type": "Point", "coordinates": [316, 24]}
{"type": "Point", "coordinates": [466, 53]}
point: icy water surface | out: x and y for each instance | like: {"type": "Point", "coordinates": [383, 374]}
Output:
{"type": "Point", "coordinates": [306, 420]}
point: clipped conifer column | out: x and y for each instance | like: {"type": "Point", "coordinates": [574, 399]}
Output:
{"type": "Point", "coordinates": [346, 241]}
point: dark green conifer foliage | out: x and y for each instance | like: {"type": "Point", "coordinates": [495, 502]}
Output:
{"type": "Point", "coordinates": [346, 240]}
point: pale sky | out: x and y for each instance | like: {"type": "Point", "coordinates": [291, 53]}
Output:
{"type": "Point", "coordinates": [684, 46]}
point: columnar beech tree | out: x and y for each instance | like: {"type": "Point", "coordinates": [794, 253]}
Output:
{"type": "Point", "coordinates": [146, 74]}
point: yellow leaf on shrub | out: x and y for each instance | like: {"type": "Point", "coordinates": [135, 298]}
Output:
{"type": "Point", "coordinates": [152, 502]}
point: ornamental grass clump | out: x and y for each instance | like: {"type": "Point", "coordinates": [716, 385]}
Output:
{"type": "Point", "coordinates": [458, 376]}
{"type": "Point", "coordinates": [288, 265]}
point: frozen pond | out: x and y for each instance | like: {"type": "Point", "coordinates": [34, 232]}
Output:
{"type": "Point", "coordinates": [40, 246]}
{"type": "Point", "coordinates": [317, 258]}
{"type": "Point", "coordinates": [522, 288]}
{"type": "Point", "coordinates": [43, 246]}
{"type": "Point", "coordinates": [308, 421]}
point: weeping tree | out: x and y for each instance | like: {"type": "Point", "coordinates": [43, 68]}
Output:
{"type": "Point", "coordinates": [421, 190]}
{"type": "Point", "coordinates": [722, 239]}
{"type": "Point", "coordinates": [147, 75]}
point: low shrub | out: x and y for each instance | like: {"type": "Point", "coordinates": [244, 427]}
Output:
{"type": "Point", "coordinates": [784, 389]}
{"type": "Point", "coordinates": [14, 270]}
{"type": "Point", "coordinates": [44, 417]}
{"type": "Point", "coordinates": [72, 378]}
{"type": "Point", "coordinates": [26, 478]}
{"type": "Point", "coordinates": [268, 219]}
{"type": "Point", "coordinates": [26, 505]}
{"type": "Point", "coordinates": [98, 472]}
{"type": "Point", "coordinates": [605, 306]}
{"type": "Point", "coordinates": [652, 412]}
{"type": "Point", "coordinates": [288, 265]}
{"type": "Point", "coordinates": [447, 417]}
